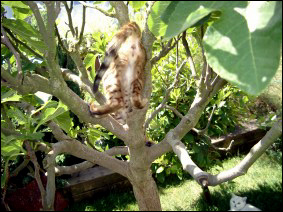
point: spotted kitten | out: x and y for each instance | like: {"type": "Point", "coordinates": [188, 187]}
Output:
{"type": "Point", "coordinates": [122, 75]}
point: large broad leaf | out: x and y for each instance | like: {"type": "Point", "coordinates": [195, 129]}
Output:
{"type": "Point", "coordinates": [26, 32]}
{"type": "Point", "coordinates": [169, 19]}
{"type": "Point", "coordinates": [243, 46]}
{"type": "Point", "coordinates": [155, 24]}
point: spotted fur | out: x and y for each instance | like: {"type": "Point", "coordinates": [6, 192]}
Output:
{"type": "Point", "coordinates": [122, 74]}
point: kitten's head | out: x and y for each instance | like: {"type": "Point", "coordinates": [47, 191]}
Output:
{"type": "Point", "coordinates": [237, 203]}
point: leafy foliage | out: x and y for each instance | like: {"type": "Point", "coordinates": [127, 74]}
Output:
{"type": "Point", "coordinates": [231, 49]}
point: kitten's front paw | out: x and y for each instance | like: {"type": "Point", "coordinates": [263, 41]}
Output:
{"type": "Point", "coordinates": [94, 111]}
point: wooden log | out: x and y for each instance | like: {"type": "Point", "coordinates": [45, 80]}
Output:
{"type": "Point", "coordinates": [94, 181]}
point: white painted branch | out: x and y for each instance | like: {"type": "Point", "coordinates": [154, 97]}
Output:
{"type": "Point", "coordinates": [240, 169]}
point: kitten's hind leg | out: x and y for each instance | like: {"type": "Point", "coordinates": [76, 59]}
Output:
{"type": "Point", "coordinates": [111, 107]}
{"type": "Point", "coordinates": [136, 98]}
{"type": "Point", "coordinates": [114, 102]}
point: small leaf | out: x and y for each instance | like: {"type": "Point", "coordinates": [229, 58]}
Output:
{"type": "Point", "coordinates": [221, 104]}
{"type": "Point", "coordinates": [160, 169]}
{"type": "Point", "coordinates": [137, 4]}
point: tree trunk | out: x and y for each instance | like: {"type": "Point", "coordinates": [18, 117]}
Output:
{"type": "Point", "coordinates": [146, 191]}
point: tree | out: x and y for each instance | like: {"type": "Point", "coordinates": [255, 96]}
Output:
{"type": "Point", "coordinates": [231, 43]}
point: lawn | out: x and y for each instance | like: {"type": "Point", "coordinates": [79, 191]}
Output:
{"type": "Point", "coordinates": [262, 185]}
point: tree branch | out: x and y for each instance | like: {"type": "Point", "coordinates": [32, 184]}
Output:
{"type": "Point", "coordinates": [60, 170]}
{"type": "Point", "coordinates": [5, 40]}
{"type": "Point", "coordinates": [164, 51]}
{"type": "Point", "coordinates": [204, 131]}
{"type": "Point", "coordinates": [83, 26]}
{"type": "Point", "coordinates": [189, 55]}
{"type": "Point", "coordinates": [250, 158]}
{"type": "Point", "coordinates": [31, 84]}
{"type": "Point", "coordinates": [112, 15]}
{"type": "Point", "coordinates": [175, 111]}
{"type": "Point", "coordinates": [121, 12]}
{"type": "Point", "coordinates": [240, 169]}
{"type": "Point", "coordinates": [87, 85]}
{"type": "Point", "coordinates": [36, 174]}
{"type": "Point", "coordinates": [39, 20]}
{"type": "Point", "coordinates": [69, 11]}
{"type": "Point", "coordinates": [60, 40]}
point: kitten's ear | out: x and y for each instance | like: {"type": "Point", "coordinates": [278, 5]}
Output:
{"type": "Point", "coordinates": [245, 199]}
{"type": "Point", "coordinates": [233, 195]}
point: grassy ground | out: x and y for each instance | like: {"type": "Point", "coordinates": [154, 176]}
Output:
{"type": "Point", "coordinates": [262, 185]}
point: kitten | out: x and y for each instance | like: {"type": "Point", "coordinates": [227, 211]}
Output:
{"type": "Point", "coordinates": [122, 74]}
{"type": "Point", "coordinates": [239, 204]}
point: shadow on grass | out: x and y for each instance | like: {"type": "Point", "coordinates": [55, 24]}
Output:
{"type": "Point", "coordinates": [266, 197]}
{"type": "Point", "coordinates": [108, 201]}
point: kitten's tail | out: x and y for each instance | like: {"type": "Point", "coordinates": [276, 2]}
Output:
{"type": "Point", "coordinates": [109, 57]}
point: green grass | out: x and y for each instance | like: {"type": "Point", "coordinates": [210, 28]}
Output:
{"type": "Point", "coordinates": [262, 185]}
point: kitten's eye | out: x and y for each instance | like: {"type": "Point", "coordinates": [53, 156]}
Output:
{"type": "Point", "coordinates": [238, 203]}
{"type": "Point", "coordinates": [233, 201]}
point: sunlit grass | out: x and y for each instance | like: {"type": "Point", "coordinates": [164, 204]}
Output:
{"type": "Point", "coordinates": [262, 185]}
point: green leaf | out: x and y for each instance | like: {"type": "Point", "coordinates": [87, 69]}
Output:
{"type": "Point", "coordinates": [10, 149]}
{"type": "Point", "coordinates": [7, 95]}
{"type": "Point", "coordinates": [155, 24]}
{"type": "Point", "coordinates": [18, 115]}
{"type": "Point", "coordinates": [89, 60]}
{"type": "Point", "coordinates": [221, 104]}
{"type": "Point", "coordinates": [243, 47]}
{"type": "Point", "coordinates": [160, 169]}
{"type": "Point", "coordinates": [18, 4]}
{"type": "Point", "coordinates": [65, 122]}
{"type": "Point", "coordinates": [160, 177]}
{"type": "Point", "coordinates": [245, 99]}
{"type": "Point", "coordinates": [95, 132]}
{"type": "Point", "coordinates": [14, 98]}
{"type": "Point", "coordinates": [21, 13]}
{"type": "Point", "coordinates": [32, 136]}
{"type": "Point", "coordinates": [48, 104]}
{"type": "Point", "coordinates": [174, 169]}
{"type": "Point", "coordinates": [137, 4]}
{"type": "Point", "coordinates": [189, 138]}
{"type": "Point", "coordinates": [185, 14]}
{"type": "Point", "coordinates": [171, 18]}
{"type": "Point", "coordinates": [26, 32]}
{"type": "Point", "coordinates": [52, 113]}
